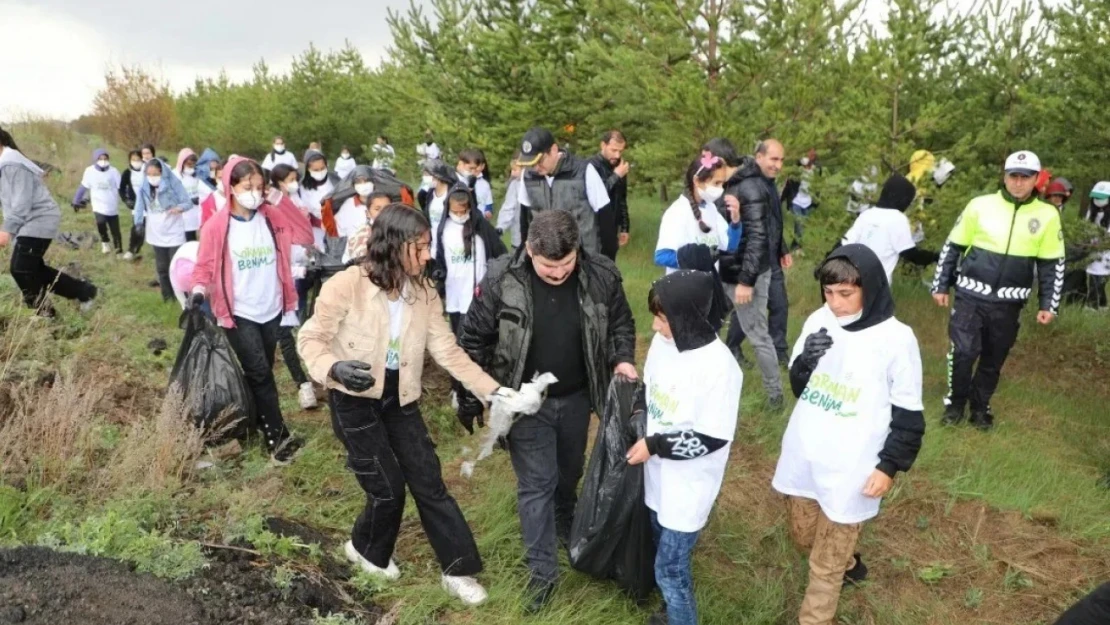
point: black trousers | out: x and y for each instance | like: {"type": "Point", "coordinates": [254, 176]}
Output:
{"type": "Point", "coordinates": [1094, 609]}
{"type": "Point", "coordinates": [190, 235]}
{"type": "Point", "coordinates": [778, 312]}
{"type": "Point", "coordinates": [106, 224]}
{"type": "Point", "coordinates": [982, 332]}
{"type": "Point", "coordinates": [162, 258]}
{"type": "Point", "coordinates": [607, 232]}
{"type": "Point", "coordinates": [35, 278]}
{"type": "Point", "coordinates": [388, 448]}
{"type": "Point", "coordinates": [288, 344]}
{"type": "Point", "coordinates": [1096, 291]}
{"type": "Point", "coordinates": [254, 345]}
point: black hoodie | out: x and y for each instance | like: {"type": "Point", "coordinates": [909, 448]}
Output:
{"type": "Point", "coordinates": [898, 194]}
{"type": "Point", "coordinates": [907, 427]}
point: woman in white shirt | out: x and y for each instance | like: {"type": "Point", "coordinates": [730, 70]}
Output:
{"type": "Point", "coordinates": [693, 218]}
{"type": "Point", "coordinates": [344, 165]}
{"type": "Point", "coordinates": [101, 184]}
{"type": "Point", "coordinates": [161, 202]}
{"type": "Point", "coordinates": [197, 189]}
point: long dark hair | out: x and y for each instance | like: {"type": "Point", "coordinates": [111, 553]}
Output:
{"type": "Point", "coordinates": [461, 195]}
{"type": "Point", "coordinates": [7, 141]}
{"type": "Point", "coordinates": [700, 170]}
{"type": "Point", "coordinates": [148, 146]}
{"type": "Point", "coordinates": [308, 181]}
{"type": "Point", "coordinates": [396, 226]}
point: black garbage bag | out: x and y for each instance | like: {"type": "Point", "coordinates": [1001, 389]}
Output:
{"type": "Point", "coordinates": [611, 537]}
{"type": "Point", "coordinates": [208, 375]}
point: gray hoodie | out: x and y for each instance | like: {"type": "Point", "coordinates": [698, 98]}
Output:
{"type": "Point", "coordinates": [29, 209]}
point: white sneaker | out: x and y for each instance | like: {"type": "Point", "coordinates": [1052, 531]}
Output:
{"type": "Point", "coordinates": [467, 589]}
{"type": "Point", "coordinates": [105, 248]}
{"type": "Point", "coordinates": [454, 401]}
{"type": "Point", "coordinates": [87, 306]}
{"type": "Point", "coordinates": [307, 396]}
{"type": "Point", "coordinates": [390, 572]}
{"type": "Point", "coordinates": [128, 256]}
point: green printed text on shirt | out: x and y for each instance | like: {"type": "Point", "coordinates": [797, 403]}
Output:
{"type": "Point", "coordinates": [831, 395]}
{"type": "Point", "coordinates": [254, 257]}
{"type": "Point", "coordinates": [660, 404]}
{"type": "Point", "coordinates": [457, 256]}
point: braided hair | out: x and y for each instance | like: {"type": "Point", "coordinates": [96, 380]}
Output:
{"type": "Point", "coordinates": [700, 170]}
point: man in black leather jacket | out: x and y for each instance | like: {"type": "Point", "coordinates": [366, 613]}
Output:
{"type": "Point", "coordinates": [762, 249]}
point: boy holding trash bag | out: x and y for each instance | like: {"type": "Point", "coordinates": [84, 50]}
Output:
{"type": "Point", "coordinates": [692, 398]}
{"type": "Point", "coordinates": [856, 371]}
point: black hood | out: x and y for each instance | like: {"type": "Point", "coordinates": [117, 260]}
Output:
{"type": "Point", "coordinates": [878, 304]}
{"type": "Point", "coordinates": [700, 258]}
{"type": "Point", "coordinates": [898, 193]}
{"type": "Point", "coordinates": [687, 297]}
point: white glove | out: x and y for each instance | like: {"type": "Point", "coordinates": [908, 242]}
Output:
{"type": "Point", "coordinates": [525, 401]}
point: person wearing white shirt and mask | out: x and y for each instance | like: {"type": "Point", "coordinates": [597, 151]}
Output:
{"type": "Point", "coordinates": [344, 165]}
{"type": "Point", "coordinates": [101, 183]}
{"type": "Point", "coordinates": [886, 230]}
{"type": "Point", "coordinates": [693, 217]}
{"type": "Point", "coordinates": [162, 201]}
{"type": "Point", "coordinates": [1098, 272]}
{"type": "Point", "coordinates": [433, 201]}
{"type": "Point", "coordinates": [856, 371]}
{"type": "Point", "coordinates": [278, 156]}
{"type": "Point", "coordinates": [195, 186]}
{"type": "Point", "coordinates": [428, 151]}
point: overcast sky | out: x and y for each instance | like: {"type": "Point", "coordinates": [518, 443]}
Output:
{"type": "Point", "coordinates": [57, 50]}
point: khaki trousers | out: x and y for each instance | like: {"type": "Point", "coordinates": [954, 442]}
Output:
{"type": "Point", "coordinates": [831, 547]}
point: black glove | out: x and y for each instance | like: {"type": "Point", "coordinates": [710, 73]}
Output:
{"type": "Point", "coordinates": [815, 347]}
{"type": "Point", "coordinates": [196, 300]}
{"type": "Point", "coordinates": [140, 230]}
{"type": "Point", "coordinates": [196, 201]}
{"type": "Point", "coordinates": [353, 374]}
{"type": "Point", "coordinates": [469, 410]}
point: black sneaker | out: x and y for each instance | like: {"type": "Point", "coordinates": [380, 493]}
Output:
{"type": "Point", "coordinates": [741, 359]}
{"type": "Point", "coordinates": [784, 360]}
{"type": "Point", "coordinates": [982, 420]}
{"type": "Point", "coordinates": [538, 595]}
{"type": "Point", "coordinates": [952, 416]}
{"type": "Point", "coordinates": [660, 617]}
{"type": "Point", "coordinates": [286, 451]}
{"type": "Point", "coordinates": [776, 403]}
{"type": "Point", "coordinates": [857, 573]}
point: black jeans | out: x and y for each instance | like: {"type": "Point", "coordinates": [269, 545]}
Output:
{"type": "Point", "coordinates": [1096, 291]}
{"type": "Point", "coordinates": [254, 345]}
{"type": "Point", "coordinates": [983, 331]}
{"type": "Point", "coordinates": [388, 447]}
{"type": "Point", "coordinates": [35, 278]}
{"type": "Point", "coordinates": [288, 344]}
{"type": "Point", "coordinates": [162, 258]}
{"type": "Point", "coordinates": [548, 451]}
{"type": "Point", "coordinates": [106, 224]}
{"type": "Point", "coordinates": [778, 311]}
{"type": "Point", "coordinates": [190, 235]}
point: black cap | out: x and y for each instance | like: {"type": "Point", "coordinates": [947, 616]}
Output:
{"type": "Point", "coordinates": [536, 143]}
{"type": "Point", "coordinates": [440, 171]}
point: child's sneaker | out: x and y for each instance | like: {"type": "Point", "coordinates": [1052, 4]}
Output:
{"type": "Point", "coordinates": [466, 589]}
{"type": "Point", "coordinates": [391, 572]}
{"type": "Point", "coordinates": [857, 573]}
{"type": "Point", "coordinates": [307, 396]}
{"type": "Point", "coordinates": [129, 257]}
{"type": "Point", "coordinates": [286, 451]}
{"type": "Point", "coordinates": [105, 248]}
{"type": "Point", "coordinates": [982, 420]}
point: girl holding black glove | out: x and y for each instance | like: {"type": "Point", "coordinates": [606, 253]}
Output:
{"type": "Point", "coordinates": [366, 342]}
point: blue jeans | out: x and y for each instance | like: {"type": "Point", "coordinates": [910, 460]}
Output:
{"type": "Point", "coordinates": [674, 573]}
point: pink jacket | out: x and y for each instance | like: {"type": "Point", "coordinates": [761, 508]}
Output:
{"type": "Point", "coordinates": [213, 270]}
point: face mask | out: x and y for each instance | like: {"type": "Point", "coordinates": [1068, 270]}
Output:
{"type": "Point", "coordinates": [190, 171]}
{"type": "Point", "coordinates": [850, 319]}
{"type": "Point", "coordinates": [103, 164]}
{"type": "Point", "coordinates": [136, 165]}
{"type": "Point", "coordinates": [279, 148]}
{"type": "Point", "coordinates": [364, 189]}
{"type": "Point", "coordinates": [319, 176]}
{"type": "Point", "coordinates": [459, 219]}
{"type": "Point", "coordinates": [667, 340]}
{"type": "Point", "coordinates": [154, 180]}
{"type": "Point", "coordinates": [711, 194]}
{"type": "Point", "coordinates": [249, 200]}
{"type": "Point", "coordinates": [464, 174]}
{"type": "Point", "coordinates": [344, 155]}
{"type": "Point", "coordinates": [1100, 202]}
{"type": "Point", "coordinates": [292, 188]}
{"type": "Point", "coordinates": [427, 181]}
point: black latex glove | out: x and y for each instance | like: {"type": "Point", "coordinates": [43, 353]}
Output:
{"type": "Point", "coordinates": [353, 374]}
{"type": "Point", "coordinates": [196, 201]}
{"type": "Point", "coordinates": [470, 409]}
{"type": "Point", "coordinates": [140, 229]}
{"type": "Point", "coordinates": [196, 300]}
{"type": "Point", "coordinates": [815, 347]}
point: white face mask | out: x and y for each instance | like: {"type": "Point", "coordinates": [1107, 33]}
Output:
{"type": "Point", "coordinates": [364, 189]}
{"type": "Point", "coordinates": [279, 148]}
{"type": "Point", "coordinates": [850, 319]}
{"type": "Point", "coordinates": [711, 193]}
{"type": "Point", "coordinates": [103, 163]}
{"type": "Point", "coordinates": [1100, 202]}
{"type": "Point", "coordinates": [319, 176]}
{"type": "Point", "coordinates": [190, 171]}
{"type": "Point", "coordinates": [249, 200]}
{"type": "Point", "coordinates": [292, 187]}
{"type": "Point", "coordinates": [344, 155]}
{"type": "Point", "coordinates": [459, 219]}
{"type": "Point", "coordinates": [136, 165]}
{"type": "Point", "coordinates": [154, 180]}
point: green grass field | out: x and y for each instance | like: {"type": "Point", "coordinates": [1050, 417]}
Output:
{"type": "Point", "coordinates": [1007, 527]}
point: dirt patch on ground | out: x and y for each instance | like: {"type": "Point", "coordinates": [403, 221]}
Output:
{"type": "Point", "coordinates": [39, 587]}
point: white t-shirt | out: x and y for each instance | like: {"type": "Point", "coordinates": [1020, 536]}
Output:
{"type": "Point", "coordinates": [393, 351]}
{"type": "Point", "coordinates": [698, 390]}
{"type": "Point", "coordinates": [463, 274]}
{"type": "Point", "coordinates": [350, 218]}
{"type": "Point", "coordinates": [437, 204]}
{"type": "Point", "coordinates": [803, 199]}
{"type": "Point", "coordinates": [103, 189]}
{"type": "Point", "coordinates": [484, 193]}
{"type": "Point", "coordinates": [1101, 265]}
{"type": "Point", "coordinates": [137, 179]}
{"type": "Point", "coordinates": [596, 192]}
{"type": "Point", "coordinates": [428, 151]}
{"type": "Point", "coordinates": [285, 157]}
{"type": "Point", "coordinates": [254, 272]}
{"type": "Point", "coordinates": [678, 228]}
{"type": "Point", "coordinates": [163, 229]}
{"type": "Point", "coordinates": [508, 218]}
{"type": "Point", "coordinates": [196, 189]}
{"type": "Point", "coordinates": [344, 166]}
{"type": "Point", "coordinates": [841, 421]}
{"type": "Point", "coordinates": [886, 231]}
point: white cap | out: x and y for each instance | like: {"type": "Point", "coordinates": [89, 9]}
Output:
{"type": "Point", "coordinates": [1101, 190]}
{"type": "Point", "coordinates": [1023, 162]}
